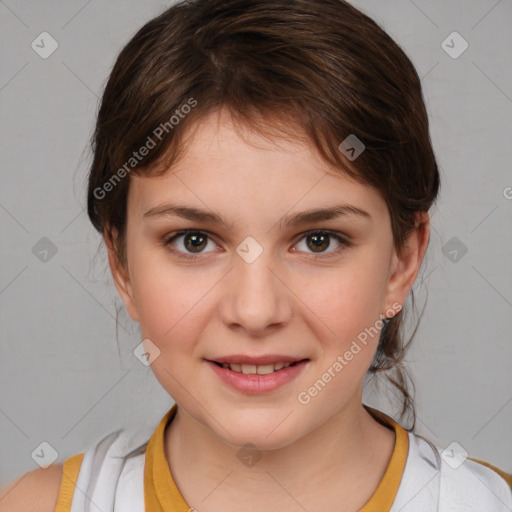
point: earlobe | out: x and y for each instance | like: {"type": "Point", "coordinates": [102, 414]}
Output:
{"type": "Point", "coordinates": [120, 276]}
{"type": "Point", "coordinates": [407, 261]}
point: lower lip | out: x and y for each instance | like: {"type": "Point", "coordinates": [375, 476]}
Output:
{"type": "Point", "coordinates": [257, 384]}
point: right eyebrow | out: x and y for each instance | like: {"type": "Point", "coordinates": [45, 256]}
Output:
{"type": "Point", "coordinates": [189, 213]}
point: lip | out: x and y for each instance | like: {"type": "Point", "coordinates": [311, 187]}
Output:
{"type": "Point", "coordinates": [259, 384]}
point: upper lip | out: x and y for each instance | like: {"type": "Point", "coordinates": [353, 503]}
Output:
{"type": "Point", "coordinates": [257, 360]}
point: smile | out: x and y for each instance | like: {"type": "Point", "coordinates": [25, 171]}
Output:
{"type": "Point", "coordinates": [253, 369]}
{"type": "Point", "coordinates": [257, 378]}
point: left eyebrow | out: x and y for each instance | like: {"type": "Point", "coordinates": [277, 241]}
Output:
{"type": "Point", "coordinates": [321, 214]}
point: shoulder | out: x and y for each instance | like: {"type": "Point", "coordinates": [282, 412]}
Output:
{"type": "Point", "coordinates": [506, 476]}
{"type": "Point", "coordinates": [52, 489]}
{"type": "Point", "coordinates": [37, 489]}
{"type": "Point", "coordinates": [477, 484]}
{"type": "Point", "coordinates": [457, 479]}
{"type": "Point", "coordinates": [112, 471]}
{"type": "Point", "coordinates": [494, 479]}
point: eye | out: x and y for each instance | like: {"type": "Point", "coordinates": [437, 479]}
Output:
{"type": "Point", "coordinates": [320, 241]}
{"type": "Point", "coordinates": [190, 244]}
{"type": "Point", "coordinates": [193, 242]}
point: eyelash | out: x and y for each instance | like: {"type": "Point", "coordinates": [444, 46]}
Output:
{"type": "Point", "coordinates": [168, 242]}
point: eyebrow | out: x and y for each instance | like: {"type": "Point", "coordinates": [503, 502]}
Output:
{"type": "Point", "coordinates": [307, 216]}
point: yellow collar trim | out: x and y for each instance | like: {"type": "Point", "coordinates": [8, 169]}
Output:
{"type": "Point", "coordinates": [162, 495]}
{"type": "Point", "coordinates": [160, 491]}
{"type": "Point", "coordinates": [384, 496]}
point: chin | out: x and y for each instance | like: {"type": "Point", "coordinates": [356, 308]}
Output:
{"type": "Point", "coordinates": [264, 431]}
{"type": "Point", "coordinates": [258, 441]}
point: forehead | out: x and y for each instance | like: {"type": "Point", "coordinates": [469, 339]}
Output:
{"type": "Point", "coordinates": [231, 167]}
{"type": "Point", "coordinates": [219, 134]}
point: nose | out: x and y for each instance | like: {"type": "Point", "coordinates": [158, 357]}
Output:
{"type": "Point", "coordinates": [256, 299]}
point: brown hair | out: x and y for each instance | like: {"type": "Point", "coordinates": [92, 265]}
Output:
{"type": "Point", "coordinates": [319, 65]}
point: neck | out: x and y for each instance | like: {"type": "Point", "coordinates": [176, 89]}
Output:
{"type": "Point", "coordinates": [352, 447]}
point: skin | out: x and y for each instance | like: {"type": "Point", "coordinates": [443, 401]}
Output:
{"type": "Point", "coordinates": [290, 300]}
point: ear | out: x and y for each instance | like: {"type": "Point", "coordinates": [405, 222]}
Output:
{"type": "Point", "coordinates": [121, 275]}
{"type": "Point", "coordinates": [407, 262]}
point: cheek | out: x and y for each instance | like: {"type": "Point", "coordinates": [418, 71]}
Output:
{"type": "Point", "coordinates": [348, 324]}
{"type": "Point", "coordinates": [174, 302]}
{"type": "Point", "coordinates": [351, 300]}
{"type": "Point", "coordinates": [170, 300]}
{"type": "Point", "coordinates": [171, 307]}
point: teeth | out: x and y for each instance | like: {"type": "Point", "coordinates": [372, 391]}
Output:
{"type": "Point", "coordinates": [249, 369]}
{"type": "Point", "coordinates": [253, 369]}
{"type": "Point", "coordinates": [265, 369]}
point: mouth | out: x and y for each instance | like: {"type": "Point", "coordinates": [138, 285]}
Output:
{"type": "Point", "coordinates": [251, 375]}
{"type": "Point", "coordinates": [257, 369]}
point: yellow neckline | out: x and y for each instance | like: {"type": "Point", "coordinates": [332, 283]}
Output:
{"type": "Point", "coordinates": [384, 496]}
{"type": "Point", "coordinates": [160, 491]}
{"type": "Point", "coordinates": [162, 495]}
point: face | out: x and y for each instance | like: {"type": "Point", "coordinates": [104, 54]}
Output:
{"type": "Point", "coordinates": [224, 266]}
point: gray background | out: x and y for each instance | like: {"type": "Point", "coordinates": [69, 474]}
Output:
{"type": "Point", "coordinates": [62, 379]}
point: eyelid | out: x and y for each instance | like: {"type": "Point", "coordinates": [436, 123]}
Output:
{"type": "Point", "coordinates": [342, 239]}
{"type": "Point", "coordinates": [333, 233]}
{"type": "Point", "coordinates": [168, 239]}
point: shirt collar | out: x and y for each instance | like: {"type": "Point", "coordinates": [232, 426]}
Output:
{"type": "Point", "coordinates": [162, 495]}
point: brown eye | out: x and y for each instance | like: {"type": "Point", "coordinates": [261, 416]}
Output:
{"type": "Point", "coordinates": [195, 242]}
{"type": "Point", "coordinates": [189, 244]}
{"type": "Point", "coordinates": [319, 241]}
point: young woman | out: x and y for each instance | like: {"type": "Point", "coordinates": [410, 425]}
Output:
{"type": "Point", "coordinates": [262, 177]}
